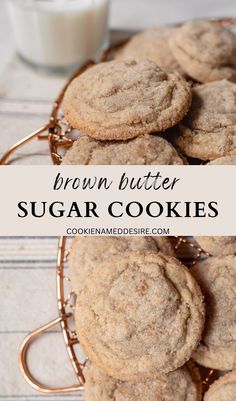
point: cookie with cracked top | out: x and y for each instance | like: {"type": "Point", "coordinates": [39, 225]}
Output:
{"type": "Point", "coordinates": [143, 150]}
{"type": "Point", "coordinates": [205, 50]}
{"type": "Point", "coordinates": [139, 316]}
{"type": "Point", "coordinates": [181, 385]}
{"type": "Point", "coordinates": [217, 279]}
{"type": "Point", "coordinates": [209, 129]}
{"type": "Point", "coordinates": [123, 99]}
{"type": "Point", "coordinates": [152, 44]}
{"type": "Point", "coordinates": [89, 252]}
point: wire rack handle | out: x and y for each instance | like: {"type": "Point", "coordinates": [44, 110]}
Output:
{"type": "Point", "coordinates": [24, 363]}
{"type": "Point", "coordinates": [23, 141]}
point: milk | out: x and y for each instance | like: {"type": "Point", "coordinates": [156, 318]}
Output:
{"type": "Point", "coordinates": [59, 33]}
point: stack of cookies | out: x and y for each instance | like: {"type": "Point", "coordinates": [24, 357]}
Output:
{"type": "Point", "coordinates": [177, 83]}
{"type": "Point", "coordinates": [140, 317]}
{"type": "Point", "coordinates": [168, 98]}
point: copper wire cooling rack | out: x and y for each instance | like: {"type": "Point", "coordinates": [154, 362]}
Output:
{"type": "Point", "coordinates": [66, 307]}
{"type": "Point", "coordinates": [58, 133]}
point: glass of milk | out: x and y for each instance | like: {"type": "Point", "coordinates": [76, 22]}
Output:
{"type": "Point", "coordinates": [59, 35]}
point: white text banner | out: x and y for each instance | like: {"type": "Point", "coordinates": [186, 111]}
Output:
{"type": "Point", "coordinates": [117, 200]}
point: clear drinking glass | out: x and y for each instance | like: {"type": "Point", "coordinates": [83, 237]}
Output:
{"type": "Point", "coordinates": [59, 35]}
